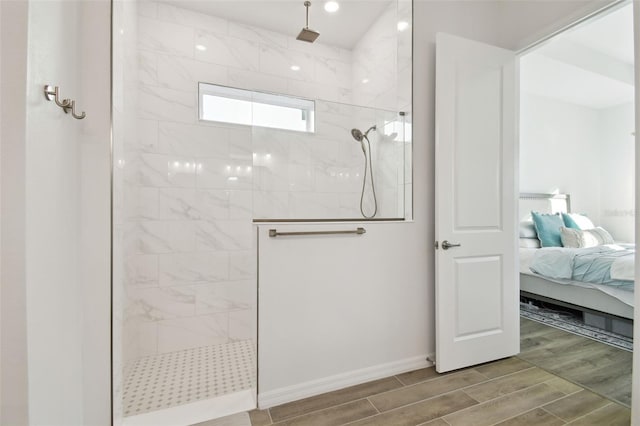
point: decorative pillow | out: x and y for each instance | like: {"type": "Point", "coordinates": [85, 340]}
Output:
{"type": "Point", "coordinates": [529, 243]}
{"type": "Point", "coordinates": [548, 228]}
{"type": "Point", "coordinates": [527, 229]}
{"type": "Point", "coordinates": [577, 221]}
{"type": "Point", "coordinates": [582, 238]}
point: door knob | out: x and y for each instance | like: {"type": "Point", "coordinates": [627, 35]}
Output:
{"type": "Point", "coordinates": [446, 245]}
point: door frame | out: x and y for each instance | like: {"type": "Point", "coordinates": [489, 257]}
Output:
{"type": "Point", "coordinates": [562, 26]}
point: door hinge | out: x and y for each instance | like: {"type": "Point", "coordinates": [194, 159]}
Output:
{"type": "Point", "coordinates": [436, 245]}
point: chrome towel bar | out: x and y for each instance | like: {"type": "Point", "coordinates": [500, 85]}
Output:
{"type": "Point", "coordinates": [275, 233]}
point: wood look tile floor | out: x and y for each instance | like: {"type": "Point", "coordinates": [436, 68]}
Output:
{"type": "Point", "coordinates": [513, 391]}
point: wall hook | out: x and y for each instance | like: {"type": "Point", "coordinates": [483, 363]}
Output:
{"type": "Point", "coordinates": [52, 95]}
{"type": "Point", "coordinates": [73, 112]}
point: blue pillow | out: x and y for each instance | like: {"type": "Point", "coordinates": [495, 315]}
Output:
{"type": "Point", "coordinates": [548, 228]}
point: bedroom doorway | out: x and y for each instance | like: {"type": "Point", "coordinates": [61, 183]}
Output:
{"type": "Point", "coordinates": [577, 152]}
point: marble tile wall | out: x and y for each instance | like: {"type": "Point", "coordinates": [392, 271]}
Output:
{"type": "Point", "coordinates": [319, 175]}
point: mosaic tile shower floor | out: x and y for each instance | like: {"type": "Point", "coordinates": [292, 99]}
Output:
{"type": "Point", "coordinates": [177, 378]}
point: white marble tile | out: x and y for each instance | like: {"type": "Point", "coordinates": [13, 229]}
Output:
{"type": "Point", "coordinates": [278, 61]}
{"type": "Point", "coordinates": [243, 264]}
{"type": "Point", "coordinates": [179, 15]}
{"type": "Point", "coordinates": [228, 51]}
{"type": "Point", "coordinates": [164, 37]}
{"type": "Point", "coordinates": [185, 268]}
{"type": "Point", "coordinates": [178, 204]}
{"type": "Point", "coordinates": [140, 203]}
{"type": "Point", "coordinates": [240, 205]}
{"type": "Point", "coordinates": [242, 325]}
{"type": "Point", "coordinates": [167, 105]}
{"type": "Point", "coordinates": [271, 205]}
{"type": "Point", "coordinates": [319, 49]}
{"type": "Point", "coordinates": [184, 74]}
{"type": "Point", "coordinates": [225, 296]}
{"type": "Point", "coordinates": [156, 237]}
{"type": "Point", "coordinates": [314, 205]}
{"type": "Point", "coordinates": [257, 35]}
{"type": "Point", "coordinates": [141, 339]}
{"type": "Point", "coordinates": [147, 135]}
{"type": "Point", "coordinates": [147, 8]}
{"type": "Point", "coordinates": [241, 143]}
{"type": "Point", "coordinates": [254, 80]}
{"type": "Point", "coordinates": [224, 174]}
{"type": "Point", "coordinates": [224, 235]}
{"type": "Point", "coordinates": [160, 303]}
{"type": "Point", "coordinates": [333, 72]}
{"type": "Point", "coordinates": [148, 68]}
{"type": "Point", "coordinates": [301, 178]}
{"type": "Point", "coordinates": [159, 170]}
{"type": "Point", "coordinates": [142, 270]}
{"type": "Point", "coordinates": [195, 141]}
{"type": "Point", "coordinates": [213, 203]}
{"type": "Point", "coordinates": [184, 333]}
{"type": "Point", "coordinates": [350, 205]}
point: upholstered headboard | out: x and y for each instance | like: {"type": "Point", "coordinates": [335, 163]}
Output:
{"type": "Point", "coordinates": [543, 203]}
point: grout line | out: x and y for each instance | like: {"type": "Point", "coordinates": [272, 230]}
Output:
{"type": "Point", "coordinates": [591, 412]}
{"type": "Point", "coordinates": [556, 416]}
{"type": "Point", "coordinates": [286, 419]}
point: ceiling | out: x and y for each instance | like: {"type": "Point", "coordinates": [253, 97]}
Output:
{"type": "Point", "coordinates": [591, 65]}
{"type": "Point", "coordinates": [343, 28]}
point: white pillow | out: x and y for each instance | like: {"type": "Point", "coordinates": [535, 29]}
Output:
{"type": "Point", "coordinates": [581, 238]}
{"type": "Point", "coordinates": [529, 243]}
{"type": "Point", "coordinates": [527, 230]}
{"type": "Point", "coordinates": [581, 220]}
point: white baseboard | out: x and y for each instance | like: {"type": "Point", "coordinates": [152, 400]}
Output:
{"type": "Point", "coordinates": [339, 381]}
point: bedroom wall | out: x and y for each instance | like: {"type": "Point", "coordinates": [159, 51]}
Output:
{"type": "Point", "coordinates": [617, 186]}
{"type": "Point", "coordinates": [560, 151]}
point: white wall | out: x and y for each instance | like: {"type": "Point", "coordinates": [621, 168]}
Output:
{"type": "Point", "coordinates": [582, 151]}
{"type": "Point", "coordinates": [13, 366]}
{"type": "Point", "coordinates": [66, 305]}
{"type": "Point", "coordinates": [617, 183]}
{"type": "Point", "coordinates": [560, 151]}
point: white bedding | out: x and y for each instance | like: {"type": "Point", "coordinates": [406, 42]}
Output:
{"type": "Point", "coordinates": [623, 269]}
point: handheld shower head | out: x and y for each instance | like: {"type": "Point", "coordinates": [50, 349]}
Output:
{"type": "Point", "coordinates": [357, 135]}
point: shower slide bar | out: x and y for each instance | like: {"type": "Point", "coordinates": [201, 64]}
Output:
{"type": "Point", "coordinates": [275, 233]}
{"type": "Point", "coordinates": [52, 94]}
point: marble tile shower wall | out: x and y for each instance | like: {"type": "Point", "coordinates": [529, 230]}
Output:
{"type": "Point", "coordinates": [319, 175]}
{"type": "Point", "coordinates": [189, 267]}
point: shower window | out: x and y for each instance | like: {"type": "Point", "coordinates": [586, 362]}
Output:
{"type": "Point", "coordinates": [237, 106]}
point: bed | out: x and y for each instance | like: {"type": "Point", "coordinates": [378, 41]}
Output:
{"type": "Point", "coordinates": [607, 306]}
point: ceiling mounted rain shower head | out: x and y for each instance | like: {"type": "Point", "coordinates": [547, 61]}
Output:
{"type": "Point", "coordinates": [307, 34]}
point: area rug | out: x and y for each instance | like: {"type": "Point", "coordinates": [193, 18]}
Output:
{"type": "Point", "coordinates": [567, 322]}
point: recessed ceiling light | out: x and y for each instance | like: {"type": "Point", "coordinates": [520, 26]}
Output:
{"type": "Point", "coordinates": [365, 80]}
{"type": "Point", "coordinates": [201, 47]}
{"type": "Point", "coordinates": [331, 6]}
{"type": "Point", "coordinates": [403, 25]}
{"type": "Point", "coordinates": [295, 68]}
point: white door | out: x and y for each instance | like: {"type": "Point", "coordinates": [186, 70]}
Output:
{"type": "Point", "coordinates": [476, 191]}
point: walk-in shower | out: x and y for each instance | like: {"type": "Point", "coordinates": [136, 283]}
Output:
{"type": "Point", "coordinates": [189, 185]}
